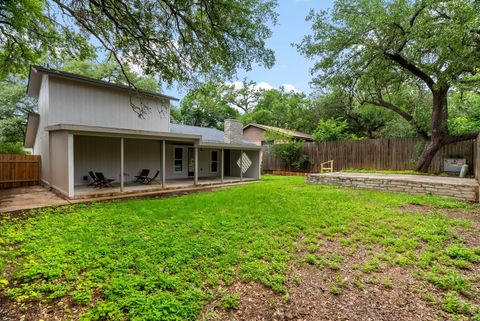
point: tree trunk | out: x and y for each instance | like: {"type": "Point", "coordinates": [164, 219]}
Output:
{"type": "Point", "coordinates": [439, 129]}
{"type": "Point", "coordinates": [429, 151]}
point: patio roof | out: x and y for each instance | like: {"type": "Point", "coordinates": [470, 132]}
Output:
{"type": "Point", "coordinates": [180, 134]}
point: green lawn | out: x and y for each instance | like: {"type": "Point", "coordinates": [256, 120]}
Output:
{"type": "Point", "coordinates": [380, 171]}
{"type": "Point", "coordinates": [166, 259]}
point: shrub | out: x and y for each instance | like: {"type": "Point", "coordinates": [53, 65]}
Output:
{"type": "Point", "coordinates": [12, 148]}
{"type": "Point", "coordinates": [288, 149]}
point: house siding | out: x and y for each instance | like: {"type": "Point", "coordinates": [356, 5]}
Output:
{"type": "Point", "coordinates": [42, 139]}
{"type": "Point", "coordinates": [253, 135]}
{"type": "Point", "coordinates": [89, 105]}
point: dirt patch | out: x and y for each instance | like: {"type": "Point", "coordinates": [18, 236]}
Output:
{"type": "Point", "coordinates": [311, 299]}
{"type": "Point", "coordinates": [471, 215]}
{"type": "Point", "coordinates": [340, 292]}
{"type": "Point", "coordinates": [469, 236]}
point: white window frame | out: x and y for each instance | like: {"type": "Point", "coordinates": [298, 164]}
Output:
{"type": "Point", "coordinates": [175, 159]}
{"type": "Point", "coordinates": [211, 160]}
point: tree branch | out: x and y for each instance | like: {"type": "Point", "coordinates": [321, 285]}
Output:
{"type": "Point", "coordinates": [460, 138]}
{"type": "Point", "coordinates": [396, 57]}
{"type": "Point", "coordinates": [401, 112]}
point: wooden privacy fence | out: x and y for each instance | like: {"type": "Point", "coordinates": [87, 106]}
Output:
{"type": "Point", "coordinates": [477, 158]}
{"type": "Point", "coordinates": [19, 170]}
{"type": "Point", "coordinates": [380, 154]}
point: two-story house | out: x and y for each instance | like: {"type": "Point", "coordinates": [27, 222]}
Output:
{"type": "Point", "coordinates": [87, 125]}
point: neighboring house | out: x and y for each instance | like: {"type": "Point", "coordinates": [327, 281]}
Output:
{"type": "Point", "coordinates": [255, 133]}
{"type": "Point", "coordinates": [86, 124]}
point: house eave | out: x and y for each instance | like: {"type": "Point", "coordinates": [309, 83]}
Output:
{"type": "Point", "coordinates": [133, 133]}
{"type": "Point", "coordinates": [36, 72]}
{"type": "Point", "coordinates": [230, 146]}
{"type": "Point", "coordinates": [31, 130]}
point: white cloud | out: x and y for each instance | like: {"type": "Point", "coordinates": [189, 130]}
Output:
{"type": "Point", "coordinates": [265, 86]}
{"type": "Point", "coordinates": [289, 88]}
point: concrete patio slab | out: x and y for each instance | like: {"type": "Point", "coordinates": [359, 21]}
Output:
{"type": "Point", "coordinates": [29, 197]}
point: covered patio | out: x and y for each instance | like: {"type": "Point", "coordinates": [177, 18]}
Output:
{"type": "Point", "coordinates": [173, 161]}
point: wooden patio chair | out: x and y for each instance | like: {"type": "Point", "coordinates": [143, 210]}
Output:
{"type": "Point", "coordinates": [149, 180]}
{"type": "Point", "coordinates": [326, 167]}
{"type": "Point", "coordinates": [143, 175]}
{"type": "Point", "coordinates": [103, 182]}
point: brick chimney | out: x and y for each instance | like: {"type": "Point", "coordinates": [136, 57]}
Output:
{"type": "Point", "coordinates": [233, 131]}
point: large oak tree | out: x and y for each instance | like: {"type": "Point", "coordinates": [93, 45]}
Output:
{"type": "Point", "coordinates": [380, 47]}
{"type": "Point", "coordinates": [177, 40]}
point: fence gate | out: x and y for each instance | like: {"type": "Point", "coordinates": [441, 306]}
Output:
{"type": "Point", "coordinates": [19, 170]}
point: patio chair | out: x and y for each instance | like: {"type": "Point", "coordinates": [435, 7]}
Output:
{"type": "Point", "coordinates": [103, 182]}
{"type": "Point", "coordinates": [143, 175]}
{"type": "Point", "coordinates": [149, 180]}
{"type": "Point", "coordinates": [95, 180]}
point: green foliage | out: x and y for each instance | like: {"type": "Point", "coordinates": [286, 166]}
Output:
{"type": "Point", "coordinates": [31, 33]}
{"type": "Point", "coordinates": [284, 109]}
{"type": "Point", "coordinates": [177, 41]}
{"type": "Point", "coordinates": [287, 148]}
{"type": "Point", "coordinates": [464, 112]}
{"type": "Point", "coordinates": [12, 148]}
{"type": "Point", "coordinates": [231, 301]}
{"type": "Point", "coordinates": [453, 304]}
{"type": "Point", "coordinates": [205, 106]}
{"type": "Point", "coordinates": [14, 107]}
{"type": "Point", "coordinates": [332, 129]}
{"type": "Point", "coordinates": [450, 280]}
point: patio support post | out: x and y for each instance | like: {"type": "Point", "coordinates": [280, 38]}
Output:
{"type": "Point", "coordinates": [260, 153]}
{"type": "Point", "coordinates": [241, 165]}
{"type": "Point", "coordinates": [195, 175]}
{"type": "Point", "coordinates": [222, 166]}
{"type": "Point", "coordinates": [71, 176]}
{"type": "Point", "coordinates": [122, 162]}
{"type": "Point", "coordinates": [163, 163]}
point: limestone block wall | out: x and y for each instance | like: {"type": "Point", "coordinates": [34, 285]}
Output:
{"type": "Point", "coordinates": [460, 192]}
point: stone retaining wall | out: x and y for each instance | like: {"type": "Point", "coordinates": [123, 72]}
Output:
{"type": "Point", "coordinates": [460, 192]}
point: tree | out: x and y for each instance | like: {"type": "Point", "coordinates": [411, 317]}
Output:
{"type": "Point", "coordinates": [14, 107]}
{"type": "Point", "coordinates": [205, 106]}
{"type": "Point", "coordinates": [287, 148]}
{"type": "Point", "coordinates": [245, 97]}
{"type": "Point", "coordinates": [381, 47]}
{"type": "Point", "coordinates": [285, 109]}
{"type": "Point", "coordinates": [332, 129]}
{"type": "Point", "coordinates": [179, 41]}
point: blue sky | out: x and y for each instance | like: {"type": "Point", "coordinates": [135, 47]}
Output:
{"type": "Point", "coordinates": [290, 67]}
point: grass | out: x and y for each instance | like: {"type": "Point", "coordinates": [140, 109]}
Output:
{"type": "Point", "coordinates": [405, 172]}
{"type": "Point", "coordinates": [165, 259]}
